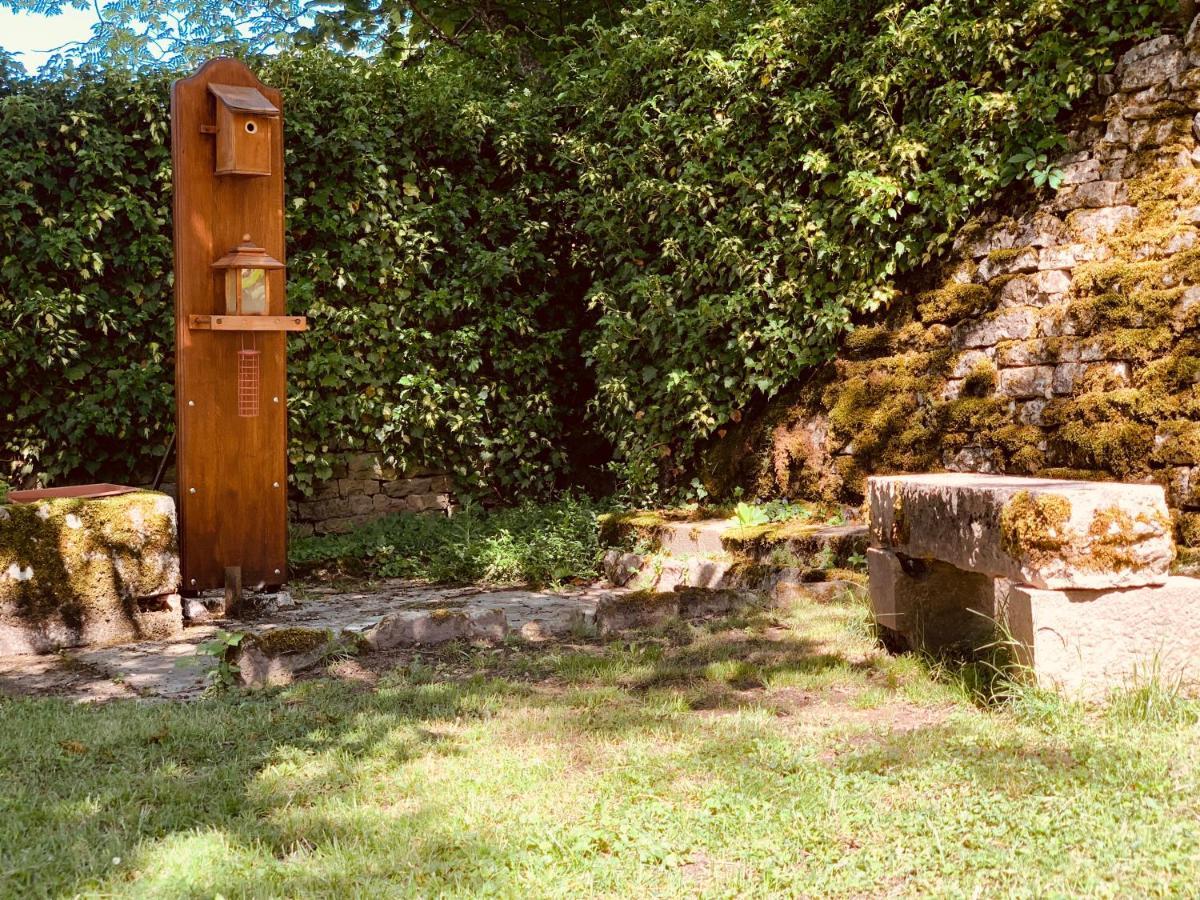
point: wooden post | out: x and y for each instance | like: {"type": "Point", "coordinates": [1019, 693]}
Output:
{"type": "Point", "coordinates": [227, 151]}
{"type": "Point", "coordinates": [233, 590]}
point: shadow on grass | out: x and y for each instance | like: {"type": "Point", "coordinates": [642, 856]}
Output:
{"type": "Point", "coordinates": [326, 788]}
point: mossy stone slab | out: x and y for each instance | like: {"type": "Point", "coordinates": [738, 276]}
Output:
{"type": "Point", "coordinates": [79, 572]}
{"type": "Point", "coordinates": [1042, 532]}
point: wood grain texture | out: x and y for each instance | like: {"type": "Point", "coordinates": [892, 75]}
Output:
{"type": "Point", "coordinates": [232, 471]}
{"type": "Point", "coordinates": [248, 323]}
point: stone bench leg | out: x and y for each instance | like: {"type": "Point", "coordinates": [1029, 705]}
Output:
{"type": "Point", "coordinates": [932, 605]}
{"type": "Point", "coordinates": [1086, 643]}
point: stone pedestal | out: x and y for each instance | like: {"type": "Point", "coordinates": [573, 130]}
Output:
{"type": "Point", "coordinates": [1085, 643]}
{"type": "Point", "coordinates": [88, 572]}
{"type": "Point", "coordinates": [931, 604]}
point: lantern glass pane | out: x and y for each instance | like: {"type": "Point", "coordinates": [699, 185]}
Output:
{"type": "Point", "coordinates": [231, 292]}
{"type": "Point", "coordinates": [254, 292]}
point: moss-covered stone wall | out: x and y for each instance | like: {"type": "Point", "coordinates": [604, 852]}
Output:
{"type": "Point", "coordinates": [1060, 339]}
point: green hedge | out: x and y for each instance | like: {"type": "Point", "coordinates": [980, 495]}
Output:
{"type": "Point", "coordinates": [512, 273]}
{"type": "Point", "coordinates": [423, 243]}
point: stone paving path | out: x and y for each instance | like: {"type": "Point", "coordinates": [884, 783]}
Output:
{"type": "Point", "coordinates": [173, 669]}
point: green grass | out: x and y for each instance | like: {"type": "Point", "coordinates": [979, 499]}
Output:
{"type": "Point", "coordinates": [770, 754]}
{"type": "Point", "coordinates": [529, 544]}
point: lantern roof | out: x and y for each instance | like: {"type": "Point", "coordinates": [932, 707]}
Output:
{"type": "Point", "coordinates": [247, 255]}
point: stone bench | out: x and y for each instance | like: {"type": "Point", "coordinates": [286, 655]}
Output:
{"type": "Point", "coordinates": [87, 572]}
{"type": "Point", "coordinates": [1076, 574]}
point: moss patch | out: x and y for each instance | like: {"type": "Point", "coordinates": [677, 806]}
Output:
{"type": "Point", "coordinates": [63, 558]}
{"type": "Point", "coordinates": [280, 641]}
{"type": "Point", "coordinates": [1034, 526]}
{"type": "Point", "coordinates": [953, 302]}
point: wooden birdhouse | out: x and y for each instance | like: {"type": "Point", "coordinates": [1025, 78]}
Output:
{"type": "Point", "coordinates": [245, 121]}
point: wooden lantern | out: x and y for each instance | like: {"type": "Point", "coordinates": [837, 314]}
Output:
{"type": "Point", "coordinates": [247, 288]}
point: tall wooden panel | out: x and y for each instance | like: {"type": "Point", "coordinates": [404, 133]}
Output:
{"type": "Point", "coordinates": [232, 472]}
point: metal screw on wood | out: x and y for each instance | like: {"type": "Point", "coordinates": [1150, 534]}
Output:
{"type": "Point", "coordinates": [191, 490]}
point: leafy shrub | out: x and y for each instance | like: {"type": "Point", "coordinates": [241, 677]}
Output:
{"type": "Point", "coordinates": [673, 219]}
{"type": "Point", "coordinates": [422, 243]}
{"type": "Point", "coordinates": [752, 175]}
{"type": "Point", "coordinates": [531, 543]}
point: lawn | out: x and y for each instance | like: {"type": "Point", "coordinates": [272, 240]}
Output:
{"type": "Point", "coordinates": [778, 753]}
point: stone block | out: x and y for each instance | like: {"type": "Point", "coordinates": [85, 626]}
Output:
{"type": "Point", "coordinates": [406, 487]}
{"type": "Point", "coordinates": [987, 331]}
{"type": "Point", "coordinates": [88, 572]}
{"type": "Point", "coordinates": [383, 504]}
{"type": "Point", "coordinates": [643, 609]}
{"type": "Point", "coordinates": [1081, 172]}
{"type": "Point", "coordinates": [355, 487]}
{"type": "Point", "coordinates": [1060, 258]}
{"type": "Point", "coordinates": [1008, 262]}
{"type": "Point", "coordinates": [932, 605]}
{"type": "Point", "coordinates": [1092, 224]}
{"type": "Point", "coordinates": [360, 505]}
{"type": "Point", "coordinates": [1088, 643]}
{"type": "Point", "coordinates": [1150, 135]}
{"type": "Point", "coordinates": [1065, 376]}
{"type": "Point", "coordinates": [1026, 382]}
{"type": "Point", "coordinates": [1044, 532]}
{"type": "Point", "coordinates": [968, 360]}
{"type": "Point", "coordinates": [971, 459]}
{"type": "Point", "coordinates": [1144, 71]}
{"type": "Point", "coordinates": [1035, 352]}
{"type": "Point", "coordinates": [620, 568]}
{"type": "Point", "coordinates": [438, 626]}
{"type": "Point", "coordinates": [1030, 413]}
{"type": "Point", "coordinates": [1034, 289]}
{"type": "Point", "coordinates": [364, 465]}
{"type": "Point", "coordinates": [1090, 195]}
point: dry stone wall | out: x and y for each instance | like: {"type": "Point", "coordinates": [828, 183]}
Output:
{"type": "Point", "coordinates": [1059, 340]}
{"type": "Point", "coordinates": [364, 488]}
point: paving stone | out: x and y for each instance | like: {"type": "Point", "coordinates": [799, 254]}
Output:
{"type": "Point", "coordinates": [1043, 532]}
{"type": "Point", "coordinates": [1088, 643]}
{"type": "Point", "coordinates": [430, 627]}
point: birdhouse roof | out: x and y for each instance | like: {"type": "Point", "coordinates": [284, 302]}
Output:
{"type": "Point", "coordinates": [244, 99]}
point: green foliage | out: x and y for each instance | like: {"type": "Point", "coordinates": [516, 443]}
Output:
{"type": "Point", "coordinates": [752, 175]}
{"type": "Point", "coordinates": [532, 544]}
{"type": "Point", "coordinates": [748, 515]}
{"type": "Point", "coordinates": [422, 243]}
{"type": "Point", "coordinates": [511, 269]}
{"type": "Point", "coordinates": [151, 33]}
{"type": "Point", "coordinates": [221, 649]}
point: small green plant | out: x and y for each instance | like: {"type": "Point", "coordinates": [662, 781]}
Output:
{"type": "Point", "coordinates": [749, 515]}
{"type": "Point", "coordinates": [224, 673]}
{"type": "Point", "coordinates": [1033, 163]}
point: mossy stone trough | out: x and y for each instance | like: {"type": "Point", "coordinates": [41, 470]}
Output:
{"type": "Point", "coordinates": [88, 572]}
